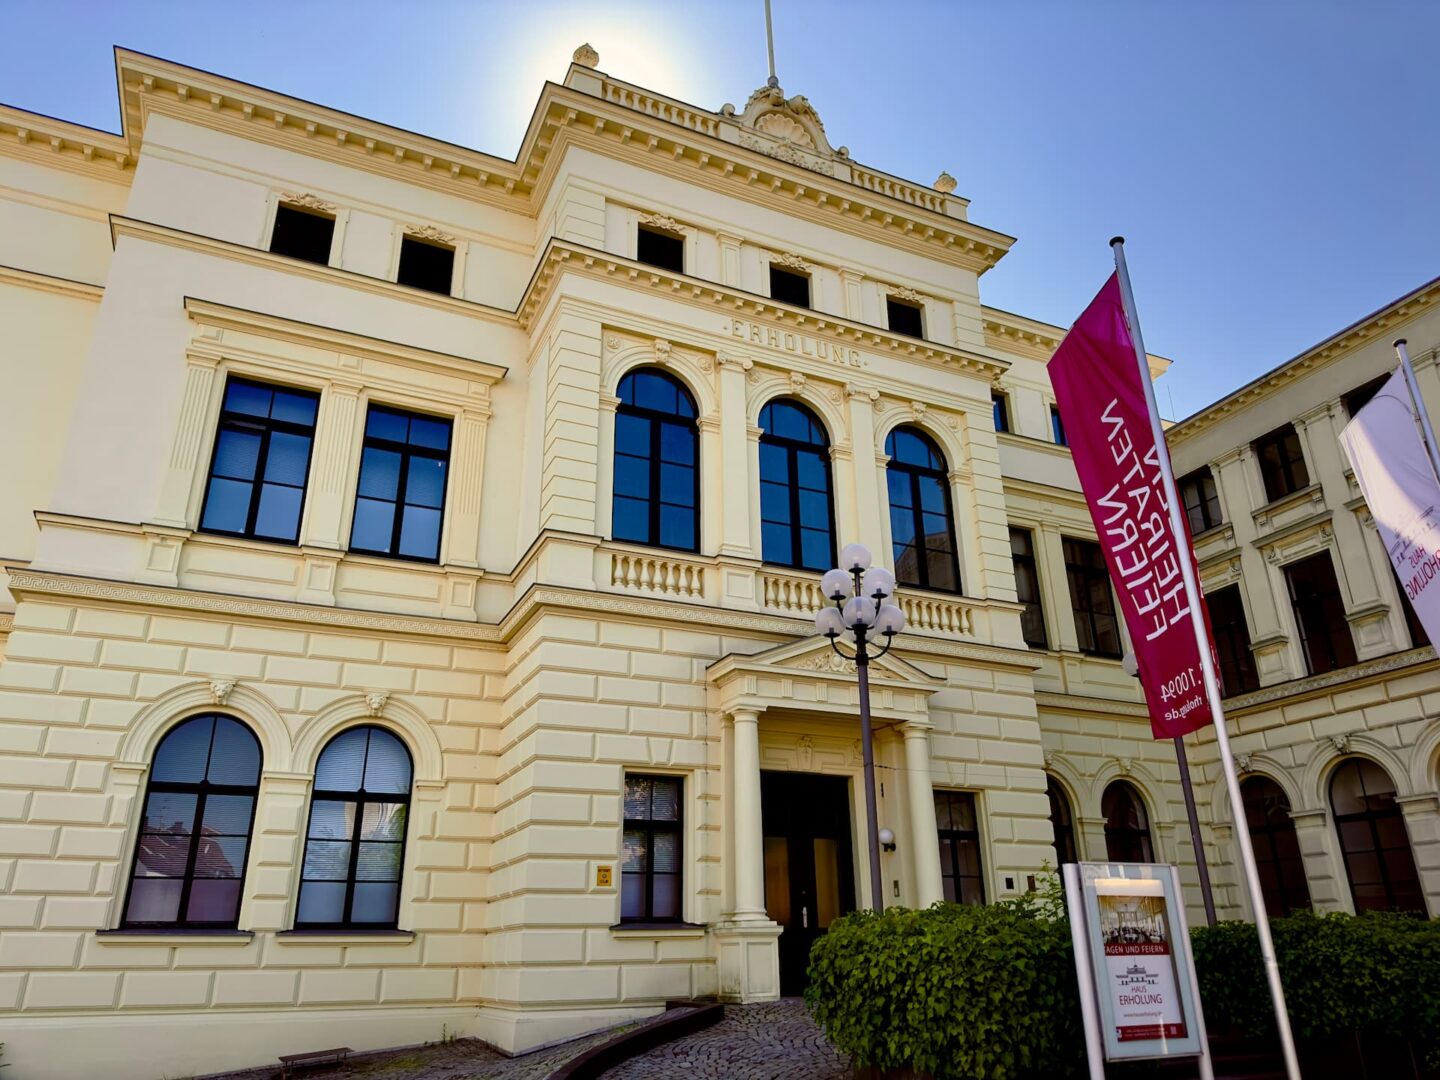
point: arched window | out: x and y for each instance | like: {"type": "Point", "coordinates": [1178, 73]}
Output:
{"type": "Point", "coordinates": [1373, 839]}
{"type": "Point", "coordinates": [1277, 851]}
{"type": "Point", "coordinates": [195, 835]}
{"type": "Point", "coordinates": [657, 463]}
{"type": "Point", "coordinates": [1063, 822]}
{"type": "Point", "coordinates": [922, 524]}
{"type": "Point", "coordinates": [355, 845]}
{"type": "Point", "coordinates": [1127, 826]}
{"type": "Point", "coordinates": [797, 516]}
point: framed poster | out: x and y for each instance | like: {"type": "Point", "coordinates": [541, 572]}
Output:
{"type": "Point", "coordinates": [1137, 961]}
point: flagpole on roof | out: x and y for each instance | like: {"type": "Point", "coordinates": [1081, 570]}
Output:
{"type": "Point", "coordinates": [1207, 668]}
{"type": "Point", "coordinates": [1419, 405]}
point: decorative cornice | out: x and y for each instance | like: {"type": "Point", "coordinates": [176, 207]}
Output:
{"type": "Point", "coordinates": [29, 279]}
{"type": "Point", "coordinates": [563, 257]}
{"type": "Point", "coordinates": [790, 259]}
{"type": "Point", "coordinates": [310, 202]}
{"type": "Point", "coordinates": [1038, 340]}
{"type": "Point", "coordinates": [1091, 705]}
{"type": "Point", "coordinates": [1368, 329]}
{"type": "Point", "coordinates": [48, 141]}
{"type": "Point", "coordinates": [663, 221]}
{"type": "Point", "coordinates": [429, 232]}
{"type": "Point", "coordinates": [1313, 685]}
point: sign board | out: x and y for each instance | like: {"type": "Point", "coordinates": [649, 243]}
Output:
{"type": "Point", "coordinates": [602, 877]}
{"type": "Point", "coordinates": [1133, 961]}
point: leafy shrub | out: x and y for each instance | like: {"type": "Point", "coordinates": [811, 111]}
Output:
{"type": "Point", "coordinates": [990, 992]}
{"type": "Point", "coordinates": [955, 990]}
{"type": "Point", "coordinates": [1377, 974]}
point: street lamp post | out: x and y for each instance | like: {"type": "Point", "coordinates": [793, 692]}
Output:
{"type": "Point", "coordinates": [860, 594]}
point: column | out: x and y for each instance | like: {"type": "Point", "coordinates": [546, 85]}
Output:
{"type": "Point", "coordinates": [734, 458]}
{"type": "Point", "coordinates": [923, 829]}
{"type": "Point", "coordinates": [1422, 822]}
{"type": "Point", "coordinates": [179, 482]}
{"type": "Point", "coordinates": [749, 836]}
{"type": "Point", "coordinates": [866, 466]}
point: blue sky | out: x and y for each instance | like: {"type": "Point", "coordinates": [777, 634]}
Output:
{"type": "Point", "coordinates": [1273, 164]}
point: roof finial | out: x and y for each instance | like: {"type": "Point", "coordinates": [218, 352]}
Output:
{"type": "Point", "coordinates": [772, 81]}
{"type": "Point", "coordinates": [585, 56]}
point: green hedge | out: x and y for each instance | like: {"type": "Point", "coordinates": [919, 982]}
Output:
{"type": "Point", "coordinates": [959, 991]}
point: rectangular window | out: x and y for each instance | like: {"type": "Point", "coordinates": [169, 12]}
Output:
{"type": "Point", "coordinates": [1282, 462]}
{"type": "Point", "coordinates": [1320, 614]}
{"type": "Point", "coordinates": [400, 500]}
{"type": "Point", "coordinates": [655, 247]}
{"type": "Point", "coordinates": [302, 234]}
{"type": "Point", "coordinates": [905, 317]}
{"type": "Point", "coordinates": [1000, 406]}
{"type": "Point", "coordinates": [651, 866]}
{"type": "Point", "coordinates": [426, 265]}
{"type": "Point", "coordinates": [789, 287]}
{"type": "Point", "coordinates": [1096, 623]}
{"type": "Point", "coordinates": [1418, 636]}
{"type": "Point", "coordinates": [1027, 587]}
{"type": "Point", "coordinates": [1232, 641]}
{"type": "Point", "coordinates": [261, 462]}
{"type": "Point", "coordinates": [1358, 398]}
{"type": "Point", "coordinates": [1057, 426]}
{"type": "Point", "coordinates": [959, 833]}
{"type": "Point", "coordinates": [1202, 501]}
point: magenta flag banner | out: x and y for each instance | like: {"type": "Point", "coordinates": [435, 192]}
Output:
{"type": "Point", "coordinates": [1107, 423]}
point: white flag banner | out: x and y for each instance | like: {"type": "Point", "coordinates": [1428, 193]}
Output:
{"type": "Point", "coordinates": [1394, 472]}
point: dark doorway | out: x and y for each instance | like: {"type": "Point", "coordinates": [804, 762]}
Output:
{"type": "Point", "coordinates": [809, 874]}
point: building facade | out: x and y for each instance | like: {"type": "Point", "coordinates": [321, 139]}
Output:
{"type": "Point", "coordinates": [410, 555]}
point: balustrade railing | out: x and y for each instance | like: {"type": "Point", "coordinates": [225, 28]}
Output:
{"type": "Point", "coordinates": [660, 575]}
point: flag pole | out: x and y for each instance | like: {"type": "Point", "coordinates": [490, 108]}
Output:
{"type": "Point", "coordinates": [1207, 669]}
{"type": "Point", "coordinates": [1424, 417]}
{"type": "Point", "coordinates": [1201, 866]}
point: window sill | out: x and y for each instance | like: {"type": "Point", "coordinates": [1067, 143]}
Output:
{"type": "Point", "coordinates": [178, 936]}
{"type": "Point", "coordinates": [659, 929]}
{"type": "Point", "coordinates": [344, 937]}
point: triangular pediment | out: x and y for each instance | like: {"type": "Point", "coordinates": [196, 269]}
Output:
{"type": "Point", "coordinates": [816, 655]}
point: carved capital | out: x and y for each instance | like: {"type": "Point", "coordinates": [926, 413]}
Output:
{"type": "Point", "coordinates": [862, 393]}
{"type": "Point", "coordinates": [737, 363]}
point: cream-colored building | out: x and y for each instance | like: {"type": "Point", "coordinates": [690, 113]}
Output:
{"type": "Point", "coordinates": [410, 556]}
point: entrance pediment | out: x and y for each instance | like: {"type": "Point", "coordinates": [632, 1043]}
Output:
{"type": "Point", "coordinates": [808, 676]}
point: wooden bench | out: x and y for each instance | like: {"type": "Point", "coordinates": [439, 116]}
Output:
{"type": "Point", "coordinates": [289, 1062]}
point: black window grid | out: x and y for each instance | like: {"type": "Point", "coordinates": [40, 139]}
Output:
{"type": "Point", "coordinates": [1096, 621]}
{"type": "Point", "coordinates": [657, 420]}
{"type": "Point", "coordinates": [1232, 641]}
{"type": "Point", "coordinates": [792, 449]}
{"type": "Point", "coordinates": [1282, 462]}
{"type": "Point", "coordinates": [1277, 849]}
{"type": "Point", "coordinates": [1201, 500]}
{"type": "Point", "coordinates": [407, 450]}
{"type": "Point", "coordinates": [652, 827]}
{"type": "Point", "coordinates": [1325, 638]}
{"type": "Point", "coordinates": [915, 572]}
{"type": "Point", "coordinates": [1027, 588]}
{"type": "Point", "coordinates": [266, 428]}
{"type": "Point", "coordinates": [966, 886]}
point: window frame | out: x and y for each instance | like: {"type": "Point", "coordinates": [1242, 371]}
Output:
{"type": "Point", "coordinates": [798, 275]}
{"type": "Point", "coordinates": [1314, 610]}
{"type": "Point", "coordinates": [642, 229]}
{"type": "Point", "coordinates": [1037, 605]}
{"type": "Point", "coordinates": [285, 206]}
{"type": "Point", "coordinates": [407, 237]}
{"type": "Point", "coordinates": [1060, 798]}
{"type": "Point", "coordinates": [1144, 834]}
{"type": "Point", "coordinates": [1282, 478]}
{"type": "Point", "coordinates": [1370, 817]}
{"type": "Point", "coordinates": [406, 450]}
{"type": "Point", "coordinates": [1057, 427]}
{"type": "Point", "coordinates": [647, 825]}
{"type": "Point", "coordinates": [1232, 641]}
{"type": "Point", "coordinates": [247, 422]}
{"type": "Point", "coordinates": [360, 797]}
{"type": "Point", "coordinates": [1207, 505]}
{"type": "Point", "coordinates": [793, 447]}
{"type": "Point", "coordinates": [1089, 575]}
{"type": "Point", "coordinates": [892, 302]}
{"type": "Point", "coordinates": [202, 791]}
{"type": "Point", "coordinates": [1278, 901]}
{"type": "Point", "coordinates": [1000, 411]}
{"type": "Point", "coordinates": [656, 418]}
{"type": "Point", "coordinates": [1363, 394]}
{"type": "Point", "coordinates": [956, 838]}
{"type": "Point", "coordinates": [915, 474]}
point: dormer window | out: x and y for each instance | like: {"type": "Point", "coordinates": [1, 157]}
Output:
{"type": "Point", "coordinates": [789, 286]}
{"type": "Point", "coordinates": [303, 233]}
{"type": "Point", "coordinates": [426, 264]}
{"type": "Point", "coordinates": [905, 317]}
{"type": "Point", "coordinates": [660, 248]}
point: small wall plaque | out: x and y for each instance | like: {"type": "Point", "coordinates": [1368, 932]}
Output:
{"type": "Point", "coordinates": [603, 877]}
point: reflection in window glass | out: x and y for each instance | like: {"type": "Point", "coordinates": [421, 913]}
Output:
{"type": "Point", "coordinates": [797, 526]}
{"type": "Point", "coordinates": [656, 497]}
{"type": "Point", "coordinates": [400, 498]}
{"type": "Point", "coordinates": [651, 866]}
{"type": "Point", "coordinates": [922, 526]}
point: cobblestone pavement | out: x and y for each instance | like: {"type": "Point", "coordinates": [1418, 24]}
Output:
{"type": "Point", "coordinates": [775, 1041]}
{"type": "Point", "coordinates": [459, 1059]}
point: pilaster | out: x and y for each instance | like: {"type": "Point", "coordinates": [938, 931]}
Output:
{"type": "Point", "coordinates": [568, 487]}
{"type": "Point", "coordinates": [335, 437]}
{"type": "Point", "coordinates": [866, 468]}
{"type": "Point", "coordinates": [1329, 889]}
{"type": "Point", "coordinates": [735, 525]}
{"type": "Point", "coordinates": [173, 508]}
{"type": "Point", "coordinates": [929, 884]}
{"type": "Point", "coordinates": [1422, 822]}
